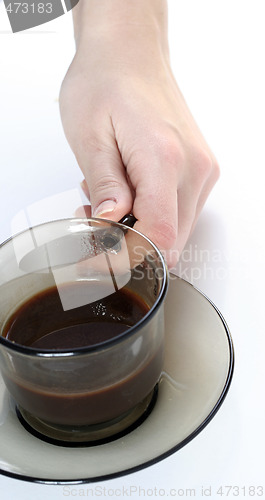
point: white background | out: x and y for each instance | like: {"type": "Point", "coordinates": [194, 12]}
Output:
{"type": "Point", "coordinates": [217, 53]}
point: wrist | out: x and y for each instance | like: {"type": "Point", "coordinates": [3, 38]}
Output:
{"type": "Point", "coordinates": [115, 19]}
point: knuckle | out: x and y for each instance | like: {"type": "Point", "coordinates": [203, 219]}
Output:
{"type": "Point", "coordinates": [105, 183]}
{"type": "Point", "coordinates": [170, 150]}
{"type": "Point", "coordinates": [91, 143]}
{"type": "Point", "coordinates": [204, 165]}
{"type": "Point", "coordinates": [203, 162]}
{"type": "Point", "coordinates": [216, 170]}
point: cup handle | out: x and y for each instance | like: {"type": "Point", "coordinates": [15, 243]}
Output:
{"type": "Point", "coordinates": [111, 239]}
{"type": "Point", "coordinates": [128, 220]}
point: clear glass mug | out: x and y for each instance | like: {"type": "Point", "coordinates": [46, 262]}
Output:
{"type": "Point", "coordinates": [82, 389]}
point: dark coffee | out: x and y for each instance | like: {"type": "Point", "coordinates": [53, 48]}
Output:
{"type": "Point", "coordinates": [42, 323]}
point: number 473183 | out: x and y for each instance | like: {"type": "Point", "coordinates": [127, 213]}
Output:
{"type": "Point", "coordinates": [29, 8]}
{"type": "Point", "coordinates": [240, 491]}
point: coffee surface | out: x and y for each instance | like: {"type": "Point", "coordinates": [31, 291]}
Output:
{"type": "Point", "coordinates": [42, 323]}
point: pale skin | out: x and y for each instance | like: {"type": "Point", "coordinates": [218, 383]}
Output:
{"type": "Point", "coordinates": [128, 125]}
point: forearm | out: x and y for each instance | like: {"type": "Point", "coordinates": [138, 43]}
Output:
{"type": "Point", "coordinates": [120, 18]}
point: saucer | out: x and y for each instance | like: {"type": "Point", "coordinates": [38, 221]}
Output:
{"type": "Point", "coordinates": [198, 368]}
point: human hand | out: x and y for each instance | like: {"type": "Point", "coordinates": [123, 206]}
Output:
{"type": "Point", "coordinates": [126, 120]}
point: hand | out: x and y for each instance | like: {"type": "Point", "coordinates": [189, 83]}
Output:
{"type": "Point", "coordinates": [133, 135]}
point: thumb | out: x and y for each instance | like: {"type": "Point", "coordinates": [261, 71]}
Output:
{"type": "Point", "coordinates": [109, 192]}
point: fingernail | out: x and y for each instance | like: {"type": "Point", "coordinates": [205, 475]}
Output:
{"type": "Point", "coordinates": [104, 208]}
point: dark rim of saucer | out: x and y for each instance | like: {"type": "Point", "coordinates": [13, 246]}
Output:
{"type": "Point", "coordinates": [49, 353]}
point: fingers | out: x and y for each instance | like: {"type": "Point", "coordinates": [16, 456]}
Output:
{"type": "Point", "coordinates": [109, 192]}
{"type": "Point", "coordinates": [205, 191]}
{"type": "Point", "coordinates": [155, 205]}
{"type": "Point", "coordinates": [85, 189]}
{"type": "Point", "coordinates": [83, 211]}
{"type": "Point", "coordinates": [171, 189]}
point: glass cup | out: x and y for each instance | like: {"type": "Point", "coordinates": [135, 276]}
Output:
{"type": "Point", "coordinates": [82, 327]}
